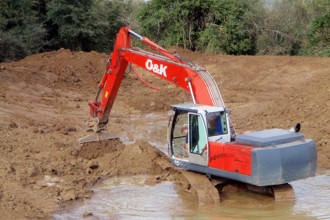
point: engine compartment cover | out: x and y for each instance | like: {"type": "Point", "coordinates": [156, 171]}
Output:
{"type": "Point", "coordinates": [269, 137]}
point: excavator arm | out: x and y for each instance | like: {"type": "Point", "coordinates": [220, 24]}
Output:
{"type": "Point", "coordinates": [164, 64]}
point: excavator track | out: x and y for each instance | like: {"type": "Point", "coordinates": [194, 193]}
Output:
{"type": "Point", "coordinates": [283, 192]}
{"type": "Point", "coordinates": [209, 189]}
{"type": "Point", "coordinates": [205, 190]}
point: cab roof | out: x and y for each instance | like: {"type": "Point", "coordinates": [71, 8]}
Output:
{"type": "Point", "coordinates": [191, 107]}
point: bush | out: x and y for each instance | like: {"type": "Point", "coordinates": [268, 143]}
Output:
{"type": "Point", "coordinates": [11, 49]}
{"type": "Point", "coordinates": [319, 34]}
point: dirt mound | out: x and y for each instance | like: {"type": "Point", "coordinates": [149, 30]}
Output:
{"type": "Point", "coordinates": [112, 158]}
{"type": "Point", "coordinates": [44, 110]}
{"type": "Point", "coordinates": [64, 172]}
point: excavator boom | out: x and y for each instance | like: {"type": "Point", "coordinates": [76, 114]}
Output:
{"type": "Point", "coordinates": [166, 65]}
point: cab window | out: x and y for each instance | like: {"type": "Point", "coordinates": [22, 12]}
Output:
{"type": "Point", "coordinates": [198, 138]}
{"type": "Point", "coordinates": [216, 123]}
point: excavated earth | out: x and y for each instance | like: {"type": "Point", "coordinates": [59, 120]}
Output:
{"type": "Point", "coordinates": [43, 110]}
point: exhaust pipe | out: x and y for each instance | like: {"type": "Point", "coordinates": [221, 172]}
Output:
{"type": "Point", "coordinates": [295, 128]}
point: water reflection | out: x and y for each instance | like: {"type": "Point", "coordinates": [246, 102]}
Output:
{"type": "Point", "coordinates": [131, 198]}
{"type": "Point", "coordinates": [313, 196]}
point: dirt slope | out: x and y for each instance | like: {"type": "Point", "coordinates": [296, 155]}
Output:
{"type": "Point", "coordinates": [44, 109]}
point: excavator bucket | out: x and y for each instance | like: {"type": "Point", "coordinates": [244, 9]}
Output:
{"type": "Point", "coordinates": [100, 136]}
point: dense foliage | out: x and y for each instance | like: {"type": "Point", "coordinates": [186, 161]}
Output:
{"type": "Point", "coordinates": [277, 27]}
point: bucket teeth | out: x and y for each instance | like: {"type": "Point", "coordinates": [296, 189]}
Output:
{"type": "Point", "coordinates": [100, 136]}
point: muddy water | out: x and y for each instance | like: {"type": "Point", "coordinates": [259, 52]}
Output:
{"type": "Point", "coordinates": [130, 198]}
{"type": "Point", "coordinates": [150, 127]}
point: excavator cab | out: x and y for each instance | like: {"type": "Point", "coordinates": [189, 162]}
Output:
{"type": "Point", "coordinates": [204, 124]}
{"type": "Point", "coordinates": [260, 158]}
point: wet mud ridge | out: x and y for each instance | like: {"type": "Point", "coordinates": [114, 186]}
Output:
{"type": "Point", "coordinates": [44, 110]}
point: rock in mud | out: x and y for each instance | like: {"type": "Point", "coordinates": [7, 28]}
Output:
{"type": "Point", "coordinates": [75, 152]}
{"type": "Point", "coordinates": [93, 165]}
{"type": "Point", "coordinates": [68, 195]}
{"type": "Point", "coordinates": [87, 214]}
{"type": "Point", "coordinates": [13, 125]}
{"type": "Point", "coordinates": [32, 171]}
{"type": "Point", "coordinates": [152, 180]}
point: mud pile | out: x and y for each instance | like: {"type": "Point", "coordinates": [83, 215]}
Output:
{"type": "Point", "coordinates": [36, 180]}
{"type": "Point", "coordinates": [44, 109]}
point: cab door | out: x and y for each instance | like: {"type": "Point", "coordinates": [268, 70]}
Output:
{"type": "Point", "coordinates": [198, 140]}
{"type": "Point", "coordinates": [176, 138]}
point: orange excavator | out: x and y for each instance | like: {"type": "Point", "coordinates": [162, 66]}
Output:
{"type": "Point", "coordinates": [261, 158]}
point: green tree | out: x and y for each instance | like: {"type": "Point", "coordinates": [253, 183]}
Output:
{"type": "Point", "coordinates": [20, 32]}
{"type": "Point", "coordinates": [156, 21]}
{"type": "Point", "coordinates": [319, 32]}
{"type": "Point", "coordinates": [174, 22]}
{"type": "Point", "coordinates": [284, 28]}
{"type": "Point", "coordinates": [230, 28]}
{"type": "Point", "coordinates": [209, 25]}
{"type": "Point", "coordinates": [87, 24]}
{"type": "Point", "coordinates": [74, 22]}
{"type": "Point", "coordinates": [193, 18]}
